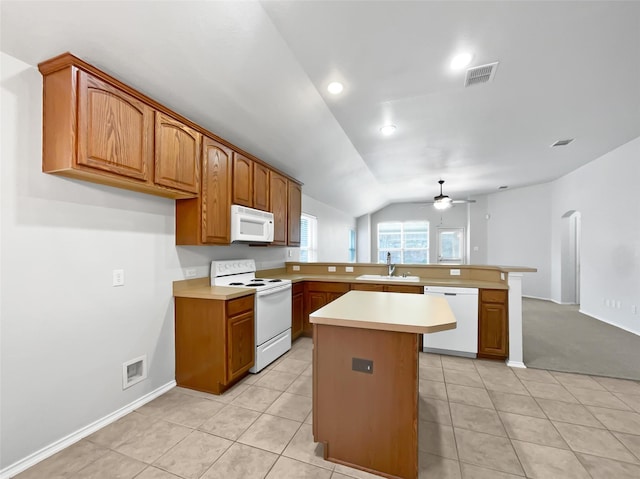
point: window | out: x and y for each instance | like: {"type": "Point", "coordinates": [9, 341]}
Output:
{"type": "Point", "coordinates": [308, 238]}
{"type": "Point", "coordinates": [407, 242]}
{"type": "Point", "coordinates": [352, 246]}
{"type": "Point", "coordinates": [451, 247]}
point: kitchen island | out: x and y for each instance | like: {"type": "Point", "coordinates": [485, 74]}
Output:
{"type": "Point", "coordinates": [365, 378]}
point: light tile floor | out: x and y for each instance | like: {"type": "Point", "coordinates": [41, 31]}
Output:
{"type": "Point", "coordinates": [478, 420]}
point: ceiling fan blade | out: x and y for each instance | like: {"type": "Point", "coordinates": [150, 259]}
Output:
{"type": "Point", "coordinates": [464, 201]}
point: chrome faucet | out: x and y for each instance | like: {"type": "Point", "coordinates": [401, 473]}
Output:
{"type": "Point", "coordinates": [391, 267]}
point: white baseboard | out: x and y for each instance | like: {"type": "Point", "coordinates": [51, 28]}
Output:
{"type": "Point", "coordinates": [81, 433]}
{"type": "Point", "coordinates": [545, 299]}
{"type": "Point", "coordinates": [516, 364]}
{"type": "Point", "coordinates": [637, 333]}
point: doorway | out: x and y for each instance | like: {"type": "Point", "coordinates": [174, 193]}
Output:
{"type": "Point", "coordinates": [451, 246]}
{"type": "Point", "coordinates": [570, 258]}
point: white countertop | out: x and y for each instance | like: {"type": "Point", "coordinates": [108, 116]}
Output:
{"type": "Point", "coordinates": [409, 313]}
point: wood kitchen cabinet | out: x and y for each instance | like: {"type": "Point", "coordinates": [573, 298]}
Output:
{"type": "Point", "coordinates": [96, 128]}
{"type": "Point", "coordinates": [115, 130]}
{"type": "Point", "coordinates": [294, 201]}
{"type": "Point", "coordinates": [177, 155]}
{"type": "Point", "coordinates": [242, 180]}
{"type": "Point", "coordinates": [318, 294]}
{"type": "Point", "coordinates": [388, 288]}
{"type": "Point", "coordinates": [261, 186]}
{"type": "Point", "coordinates": [297, 310]}
{"type": "Point", "coordinates": [278, 201]}
{"type": "Point", "coordinates": [206, 220]}
{"type": "Point", "coordinates": [493, 330]}
{"type": "Point", "coordinates": [215, 342]}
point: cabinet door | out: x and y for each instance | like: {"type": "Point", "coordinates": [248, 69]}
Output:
{"type": "Point", "coordinates": [367, 287]}
{"type": "Point", "coordinates": [293, 216]}
{"type": "Point", "coordinates": [240, 345]}
{"type": "Point", "coordinates": [313, 300]}
{"type": "Point", "coordinates": [177, 155]}
{"type": "Point", "coordinates": [260, 187]}
{"type": "Point", "coordinates": [115, 131]}
{"type": "Point", "coordinates": [403, 288]}
{"type": "Point", "coordinates": [297, 315]}
{"type": "Point", "coordinates": [242, 180]}
{"type": "Point", "coordinates": [216, 192]}
{"type": "Point", "coordinates": [278, 193]}
{"type": "Point", "coordinates": [492, 330]}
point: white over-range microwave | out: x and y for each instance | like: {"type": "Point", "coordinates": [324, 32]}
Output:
{"type": "Point", "coordinates": [251, 226]}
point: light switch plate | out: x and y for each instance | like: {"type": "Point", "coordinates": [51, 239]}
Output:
{"type": "Point", "coordinates": [118, 277]}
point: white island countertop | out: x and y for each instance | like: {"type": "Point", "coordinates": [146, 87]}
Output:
{"type": "Point", "coordinates": [400, 312]}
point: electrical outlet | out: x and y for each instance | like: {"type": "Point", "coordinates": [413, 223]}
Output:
{"type": "Point", "coordinates": [331, 269]}
{"type": "Point", "coordinates": [118, 277]}
{"type": "Point", "coordinates": [454, 272]}
{"type": "Point", "coordinates": [190, 273]}
{"type": "Point", "coordinates": [618, 305]}
{"type": "Point", "coordinates": [607, 303]}
{"type": "Point", "coordinates": [348, 269]}
{"type": "Point", "coordinates": [290, 253]}
{"type": "Point", "coordinates": [634, 309]}
{"type": "Point", "coordinates": [296, 267]}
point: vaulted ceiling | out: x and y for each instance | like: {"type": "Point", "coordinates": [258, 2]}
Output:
{"type": "Point", "coordinates": [256, 73]}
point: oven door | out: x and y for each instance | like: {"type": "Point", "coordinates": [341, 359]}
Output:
{"type": "Point", "coordinates": [272, 312]}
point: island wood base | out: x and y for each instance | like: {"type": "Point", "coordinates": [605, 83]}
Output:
{"type": "Point", "coordinates": [368, 421]}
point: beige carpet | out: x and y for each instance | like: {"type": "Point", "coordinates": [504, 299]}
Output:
{"type": "Point", "coordinates": [559, 338]}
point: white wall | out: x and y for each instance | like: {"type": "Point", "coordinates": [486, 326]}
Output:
{"type": "Point", "coordinates": [519, 232]}
{"type": "Point", "coordinates": [363, 225]}
{"type": "Point", "coordinates": [333, 230]}
{"type": "Point", "coordinates": [610, 234]}
{"type": "Point", "coordinates": [65, 331]}
{"type": "Point", "coordinates": [526, 228]}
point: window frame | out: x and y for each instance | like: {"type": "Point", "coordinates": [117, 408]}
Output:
{"type": "Point", "coordinates": [402, 249]}
{"type": "Point", "coordinates": [311, 249]}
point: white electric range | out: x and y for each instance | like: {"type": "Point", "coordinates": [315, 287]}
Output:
{"type": "Point", "coordinates": [272, 308]}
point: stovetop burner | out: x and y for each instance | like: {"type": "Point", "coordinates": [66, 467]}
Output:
{"type": "Point", "coordinates": [275, 281]}
{"type": "Point", "coordinates": [251, 285]}
{"type": "Point", "coordinates": [236, 284]}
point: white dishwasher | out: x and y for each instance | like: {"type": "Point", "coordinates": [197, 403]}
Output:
{"type": "Point", "coordinates": [462, 341]}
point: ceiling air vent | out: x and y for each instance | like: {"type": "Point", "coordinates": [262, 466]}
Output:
{"type": "Point", "coordinates": [481, 74]}
{"type": "Point", "coordinates": [562, 142]}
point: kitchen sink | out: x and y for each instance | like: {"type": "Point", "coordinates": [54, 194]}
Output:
{"type": "Point", "coordinates": [380, 277]}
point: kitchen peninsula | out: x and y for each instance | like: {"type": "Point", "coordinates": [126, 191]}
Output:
{"type": "Point", "coordinates": [366, 347]}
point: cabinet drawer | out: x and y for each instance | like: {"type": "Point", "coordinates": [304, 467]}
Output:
{"type": "Point", "coordinates": [327, 287]}
{"type": "Point", "coordinates": [297, 288]}
{"type": "Point", "coordinates": [367, 287]}
{"type": "Point", "coordinates": [493, 295]}
{"type": "Point", "coordinates": [240, 305]}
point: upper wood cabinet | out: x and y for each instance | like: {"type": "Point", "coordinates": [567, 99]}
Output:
{"type": "Point", "coordinates": [115, 131]}
{"type": "Point", "coordinates": [261, 186]}
{"type": "Point", "coordinates": [293, 214]}
{"type": "Point", "coordinates": [177, 155]}
{"type": "Point", "coordinates": [206, 220]}
{"type": "Point", "coordinates": [97, 129]}
{"type": "Point", "coordinates": [242, 180]}
{"type": "Point", "coordinates": [279, 207]}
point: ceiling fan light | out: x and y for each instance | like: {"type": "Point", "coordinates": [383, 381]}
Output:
{"type": "Point", "coordinates": [442, 203]}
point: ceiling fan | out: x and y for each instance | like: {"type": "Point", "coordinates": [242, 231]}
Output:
{"type": "Point", "coordinates": [442, 201]}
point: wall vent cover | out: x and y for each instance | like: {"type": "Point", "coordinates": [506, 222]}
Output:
{"type": "Point", "coordinates": [481, 74]}
{"type": "Point", "coordinates": [134, 371]}
{"type": "Point", "coordinates": [562, 142]}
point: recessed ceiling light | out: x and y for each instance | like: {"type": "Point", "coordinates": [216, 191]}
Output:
{"type": "Point", "coordinates": [387, 130]}
{"type": "Point", "coordinates": [461, 60]}
{"type": "Point", "coordinates": [335, 87]}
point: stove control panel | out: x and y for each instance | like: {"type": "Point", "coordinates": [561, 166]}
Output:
{"type": "Point", "coordinates": [229, 267]}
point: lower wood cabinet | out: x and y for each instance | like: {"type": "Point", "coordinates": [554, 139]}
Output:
{"type": "Point", "coordinates": [215, 342]}
{"type": "Point", "coordinates": [297, 310]}
{"type": "Point", "coordinates": [318, 294]}
{"type": "Point", "coordinates": [388, 288]}
{"type": "Point", "coordinates": [493, 325]}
